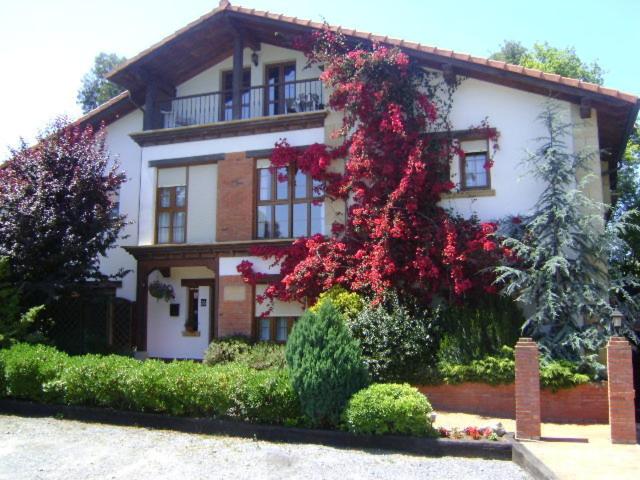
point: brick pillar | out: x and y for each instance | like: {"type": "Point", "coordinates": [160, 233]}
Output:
{"type": "Point", "coordinates": [235, 307]}
{"type": "Point", "coordinates": [622, 415]}
{"type": "Point", "coordinates": [527, 390]}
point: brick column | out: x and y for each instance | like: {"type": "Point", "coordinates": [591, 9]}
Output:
{"type": "Point", "coordinates": [527, 390]}
{"type": "Point", "coordinates": [622, 416]}
{"type": "Point", "coordinates": [235, 307]}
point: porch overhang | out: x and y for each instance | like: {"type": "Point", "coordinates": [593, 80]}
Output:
{"type": "Point", "coordinates": [192, 253]}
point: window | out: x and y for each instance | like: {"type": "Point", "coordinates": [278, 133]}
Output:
{"type": "Point", "coordinates": [289, 205]}
{"type": "Point", "coordinates": [227, 94]}
{"type": "Point", "coordinates": [473, 171]}
{"type": "Point", "coordinates": [171, 211]}
{"type": "Point", "coordinates": [274, 329]}
{"type": "Point", "coordinates": [281, 88]}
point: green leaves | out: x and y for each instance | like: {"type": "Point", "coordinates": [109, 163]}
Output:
{"type": "Point", "coordinates": [389, 409]}
{"type": "Point", "coordinates": [96, 89]}
{"type": "Point", "coordinates": [325, 363]}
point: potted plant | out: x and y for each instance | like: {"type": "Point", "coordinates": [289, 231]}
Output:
{"type": "Point", "coordinates": [161, 291]}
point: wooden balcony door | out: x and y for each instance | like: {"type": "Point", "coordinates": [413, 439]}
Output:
{"type": "Point", "coordinates": [280, 88]}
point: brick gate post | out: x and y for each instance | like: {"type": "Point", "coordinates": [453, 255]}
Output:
{"type": "Point", "coordinates": [622, 415]}
{"type": "Point", "coordinates": [527, 390]}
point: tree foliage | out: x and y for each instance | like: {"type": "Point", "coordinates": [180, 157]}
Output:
{"type": "Point", "coordinates": [325, 364]}
{"type": "Point", "coordinates": [542, 56]}
{"type": "Point", "coordinates": [397, 153]}
{"type": "Point", "coordinates": [96, 89]}
{"type": "Point", "coordinates": [56, 216]}
{"type": "Point", "coordinates": [560, 256]}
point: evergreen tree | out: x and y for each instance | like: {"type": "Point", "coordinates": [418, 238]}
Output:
{"type": "Point", "coordinates": [560, 265]}
{"type": "Point", "coordinates": [325, 363]}
{"type": "Point", "coordinates": [96, 89]}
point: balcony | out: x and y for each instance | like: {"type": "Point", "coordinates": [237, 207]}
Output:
{"type": "Point", "coordinates": [286, 98]}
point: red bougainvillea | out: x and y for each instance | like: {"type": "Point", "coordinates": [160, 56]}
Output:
{"type": "Point", "coordinates": [396, 149]}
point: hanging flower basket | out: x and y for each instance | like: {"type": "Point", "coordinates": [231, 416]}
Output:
{"type": "Point", "coordinates": [161, 291]}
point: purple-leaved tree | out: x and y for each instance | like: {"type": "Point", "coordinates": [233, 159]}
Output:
{"type": "Point", "coordinates": [56, 209]}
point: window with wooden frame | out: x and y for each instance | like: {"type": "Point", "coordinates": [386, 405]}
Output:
{"type": "Point", "coordinates": [227, 95]}
{"type": "Point", "coordinates": [474, 171]}
{"type": "Point", "coordinates": [289, 204]}
{"type": "Point", "coordinates": [171, 214]}
{"type": "Point", "coordinates": [274, 329]}
{"type": "Point", "coordinates": [280, 88]}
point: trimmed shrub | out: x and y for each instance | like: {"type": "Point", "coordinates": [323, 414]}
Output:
{"type": "Point", "coordinates": [389, 409]}
{"type": "Point", "coordinates": [3, 386]}
{"type": "Point", "coordinates": [398, 340]}
{"type": "Point", "coordinates": [179, 388]}
{"type": "Point", "coordinates": [225, 350]}
{"type": "Point", "coordinates": [30, 368]}
{"type": "Point", "coordinates": [325, 363]}
{"type": "Point", "coordinates": [263, 355]}
{"type": "Point", "coordinates": [265, 396]}
{"type": "Point", "coordinates": [349, 304]}
{"type": "Point", "coordinates": [496, 370]}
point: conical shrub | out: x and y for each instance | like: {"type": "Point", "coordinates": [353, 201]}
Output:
{"type": "Point", "coordinates": [326, 364]}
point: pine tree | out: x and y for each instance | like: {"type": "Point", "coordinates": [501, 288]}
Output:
{"type": "Point", "coordinates": [325, 363]}
{"type": "Point", "coordinates": [560, 269]}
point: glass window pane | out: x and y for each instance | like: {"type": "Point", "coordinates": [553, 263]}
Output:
{"type": "Point", "coordinates": [178, 227]}
{"type": "Point", "coordinates": [264, 221]}
{"type": "Point", "coordinates": [282, 184]}
{"type": "Point", "coordinates": [265, 184]}
{"type": "Point", "coordinates": [163, 227]}
{"type": "Point", "coordinates": [165, 197]}
{"type": "Point", "coordinates": [265, 329]}
{"type": "Point", "coordinates": [282, 329]}
{"type": "Point", "coordinates": [317, 218]}
{"type": "Point", "coordinates": [318, 188]}
{"type": "Point", "coordinates": [474, 171]}
{"type": "Point", "coordinates": [281, 227]}
{"type": "Point", "coordinates": [301, 185]}
{"type": "Point", "coordinates": [289, 73]}
{"type": "Point", "coordinates": [300, 219]}
{"type": "Point", "coordinates": [181, 196]}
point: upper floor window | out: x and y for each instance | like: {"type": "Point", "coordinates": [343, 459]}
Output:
{"type": "Point", "coordinates": [281, 88]}
{"type": "Point", "coordinates": [227, 94]}
{"type": "Point", "coordinates": [171, 214]}
{"type": "Point", "coordinates": [473, 169]}
{"type": "Point", "coordinates": [289, 204]}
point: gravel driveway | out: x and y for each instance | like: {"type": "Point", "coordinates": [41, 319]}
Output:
{"type": "Point", "coordinates": [46, 448]}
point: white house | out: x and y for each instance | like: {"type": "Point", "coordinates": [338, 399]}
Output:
{"type": "Point", "coordinates": [194, 130]}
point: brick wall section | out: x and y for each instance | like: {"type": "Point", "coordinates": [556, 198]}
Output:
{"type": "Point", "coordinates": [236, 180]}
{"type": "Point", "coordinates": [527, 390]}
{"type": "Point", "coordinates": [234, 315]}
{"type": "Point", "coordinates": [586, 403]}
{"type": "Point", "coordinates": [621, 391]}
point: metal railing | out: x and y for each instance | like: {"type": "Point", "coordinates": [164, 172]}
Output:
{"type": "Point", "coordinates": [263, 100]}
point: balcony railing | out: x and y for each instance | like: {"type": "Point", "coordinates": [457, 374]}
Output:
{"type": "Point", "coordinates": [264, 100]}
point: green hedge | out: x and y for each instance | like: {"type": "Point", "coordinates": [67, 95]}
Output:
{"type": "Point", "coordinates": [179, 388]}
{"type": "Point", "coordinates": [496, 370]}
{"type": "Point", "coordinates": [389, 409]}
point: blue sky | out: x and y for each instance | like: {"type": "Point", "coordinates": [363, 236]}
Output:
{"type": "Point", "coordinates": [46, 46]}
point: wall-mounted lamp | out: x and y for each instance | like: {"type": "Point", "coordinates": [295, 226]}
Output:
{"type": "Point", "coordinates": [254, 58]}
{"type": "Point", "coordinates": [616, 318]}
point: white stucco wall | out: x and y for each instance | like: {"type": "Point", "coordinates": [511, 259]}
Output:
{"type": "Point", "coordinates": [210, 79]}
{"type": "Point", "coordinates": [164, 332]}
{"type": "Point", "coordinates": [128, 154]}
{"type": "Point", "coordinates": [202, 207]}
{"type": "Point", "coordinates": [513, 113]}
{"type": "Point", "coordinates": [205, 147]}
